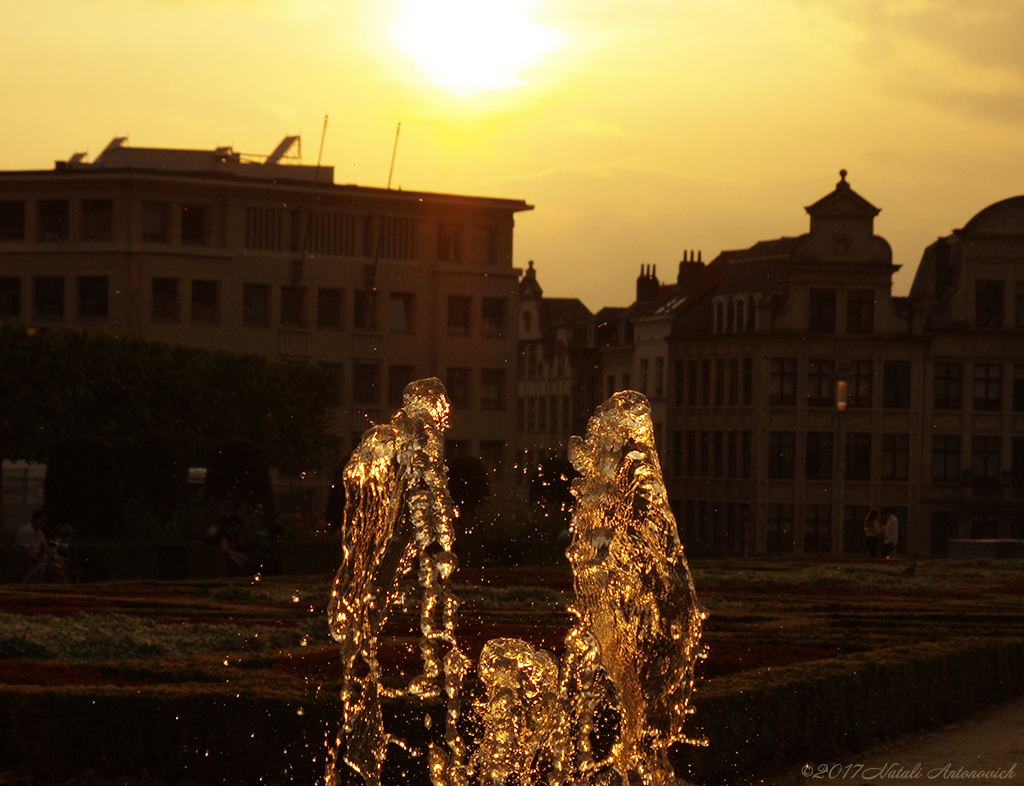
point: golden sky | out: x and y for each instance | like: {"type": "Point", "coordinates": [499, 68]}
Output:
{"type": "Point", "coordinates": [637, 129]}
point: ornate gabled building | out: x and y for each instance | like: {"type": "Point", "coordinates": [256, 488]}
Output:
{"type": "Point", "coordinates": [558, 373]}
{"type": "Point", "coordinates": [804, 394]}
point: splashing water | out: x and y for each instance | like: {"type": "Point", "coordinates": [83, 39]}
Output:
{"type": "Point", "coordinates": [631, 653]}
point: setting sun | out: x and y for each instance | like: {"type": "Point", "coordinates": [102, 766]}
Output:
{"type": "Point", "coordinates": [468, 47]}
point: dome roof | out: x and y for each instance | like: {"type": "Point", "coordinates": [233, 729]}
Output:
{"type": "Point", "coordinates": [1003, 219]}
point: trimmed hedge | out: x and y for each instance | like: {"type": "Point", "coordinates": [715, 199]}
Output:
{"type": "Point", "coordinates": [808, 712]}
{"type": "Point", "coordinates": [206, 732]}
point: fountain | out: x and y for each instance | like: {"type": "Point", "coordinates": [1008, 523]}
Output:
{"type": "Point", "coordinates": [629, 656]}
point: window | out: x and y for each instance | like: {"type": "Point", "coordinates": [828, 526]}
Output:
{"type": "Point", "coordinates": [820, 385]}
{"type": "Point", "coordinates": [263, 229]}
{"type": "Point", "coordinates": [780, 529]}
{"type": "Point", "coordinates": [10, 298]}
{"type": "Point", "coordinates": [748, 381]}
{"type": "Point", "coordinates": [609, 386]}
{"type": "Point", "coordinates": [492, 454]}
{"type": "Point", "coordinates": [659, 377]}
{"type": "Point", "coordinates": [97, 219]}
{"type": "Point", "coordinates": [256, 305]}
{"type": "Point", "coordinates": [398, 378]}
{"type": "Point", "coordinates": [705, 382]}
{"type": "Point", "coordinates": [679, 383]}
{"type": "Point", "coordinates": [985, 526]}
{"type": "Point", "coordinates": [458, 384]}
{"type": "Point", "coordinates": [542, 414]}
{"type": "Point", "coordinates": [782, 454]}
{"type": "Point", "coordinates": [705, 453]}
{"type": "Point", "coordinates": [719, 383]}
{"type": "Point", "coordinates": [819, 455]}
{"type": "Point", "coordinates": [691, 453]}
{"type": "Point", "coordinates": [746, 439]}
{"type": "Point", "coordinates": [566, 412]}
{"type": "Point", "coordinates": [449, 243]}
{"type": "Point", "coordinates": [1017, 467]}
{"type": "Point", "coordinates": [458, 315]}
{"type": "Point", "coordinates": [945, 527]}
{"type": "Point", "coordinates": [858, 456]}
{"type": "Point", "coordinates": [49, 292]}
{"type": "Point", "coordinates": [818, 529]}
{"type": "Point", "coordinates": [949, 385]}
{"type": "Point", "coordinates": [293, 307]}
{"type": "Point", "coordinates": [165, 304]}
{"type": "Point", "coordinates": [946, 458]}
{"type": "Point", "coordinates": [12, 220]}
{"type": "Point", "coordinates": [988, 303]}
{"type": "Point", "coordinates": [734, 381]}
{"type": "Point", "coordinates": [93, 297]}
{"type": "Point", "coordinates": [895, 456]}
{"type": "Point", "coordinates": [821, 312]}
{"type": "Point", "coordinates": [364, 312]}
{"type": "Point", "coordinates": [531, 414]}
{"type": "Point", "coordinates": [985, 457]}
{"type": "Point", "coordinates": [492, 391]}
{"type": "Point", "coordinates": [860, 311]}
{"type": "Point", "coordinates": [553, 420]}
{"type": "Point", "coordinates": [677, 452]}
{"type": "Point", "coordinates": [365, 383]}
{"type": "Point", "coordinates": [988, 387]}
{"type": "Point", "coordinates": [329, 312]}
{"type": "Point", "coordinates": [481, 246]}
{"type": "Point", "coordinates": [1018, 387]}
{"type": "Point", "coordinates": [389, 238]}
{"type": "Point", "coordinates": [643, 376]}
{"type": "Point", "coordinates": [521, 415]}
{"type": "Point", "coordinates": [732, 449]}
{"type": "Point", "coordinates": [782, 387]}
{"type": "Point", "coordinates": [854, 541]}
{"type": "Point", "coordinates": [193, 225]}
{"type": "Point", "coordinates": [156, 221]}
{"type": "Point", "coordinates": [691, 383]}
{"type": "Point", "coordinates": [1018, 303]}
{"type": "Point", "coordinates": [719, 451]}
{"type": "Point", "coordinates": [53, 220]}
{"type": "Point", "coordinates": [205, 302]}
{"type": "Point", "coordinates": [492, 315]}
{"type": "Point", "coordinates": [896, 384]}
{"type": "Point", "coordinates": [860, 391]}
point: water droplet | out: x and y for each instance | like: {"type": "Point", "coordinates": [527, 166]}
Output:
{"type": "Point", "coordinates": [427, 721]}
{"type": "Point", "coordinates": [295, 596]}
{"type": "Point", "coordinates": [225, 661]}
{"type": "Point", "coordinates": [304, 642]}
{"type": "Point", "coordinates": [300, 711]}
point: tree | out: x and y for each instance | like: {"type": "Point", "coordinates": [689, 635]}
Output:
{"type": "Point", "coordinates": [83, 488]}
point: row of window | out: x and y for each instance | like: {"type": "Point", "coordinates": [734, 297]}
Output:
{"type": "Point", "coordinates": [730, 381]}
{"type": "Point", "coordinates": [93, 294]}
{"type": "Point", "coordinates": [266, 229]}
{"type": "Point", "coordinates": [728, 454]}
{"type": "Point", "coordinates": [467, 388]}
{"type": "Point", "coordinates": [540, 414]}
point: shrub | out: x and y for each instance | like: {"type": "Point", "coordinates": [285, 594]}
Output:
{"type": "Point", "coordinates": [83, 488]}
{"type": "Point", "coordinates": [155, 475]}
{"type": "Point", "coordinates": [238, 475]}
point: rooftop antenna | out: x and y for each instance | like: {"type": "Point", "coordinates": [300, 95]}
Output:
{"type": "Point", "coordinates": [387, 212]}
{"type": "Point", "coordinates": [309, 218]}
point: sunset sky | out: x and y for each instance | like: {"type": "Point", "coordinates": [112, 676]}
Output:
{"type": "Point", "coordinates": [637, 129]}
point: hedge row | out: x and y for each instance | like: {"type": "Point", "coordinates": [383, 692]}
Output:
{"type": "Point", "coordinates": [770, 717]}
{"type": "Point", "coordinates": [811, 711]}
{"type": "Point", "coordinates": [173, 561]}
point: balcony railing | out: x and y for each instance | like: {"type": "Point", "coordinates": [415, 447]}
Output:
{"type": "Point", "coordinates": [367, 345]}
{"type": "Point", "coordinates": [293, 343]}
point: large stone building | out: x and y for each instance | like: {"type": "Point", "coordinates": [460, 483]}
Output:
{"type": "Point", "coordinates": [263, 255]}
{"type": "Point", "coordinates": [799, 393]}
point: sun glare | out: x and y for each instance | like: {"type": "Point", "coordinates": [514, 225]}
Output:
{"type": "Point", "coordinates": [473, 46]}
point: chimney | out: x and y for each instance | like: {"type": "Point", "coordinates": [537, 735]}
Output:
{"type": "Point", "coordinates": [690, 265]}
{"type": "Point", "coordinates": [647, 284]}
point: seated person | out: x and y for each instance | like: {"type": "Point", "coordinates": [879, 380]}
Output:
{"type": "Point", "coordinates": [30, 540]}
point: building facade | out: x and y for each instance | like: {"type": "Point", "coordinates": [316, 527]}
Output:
{"type": "Point", "coordinates": [257, 255]}
{"type": "Point", "coordinates": [803, 394]}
